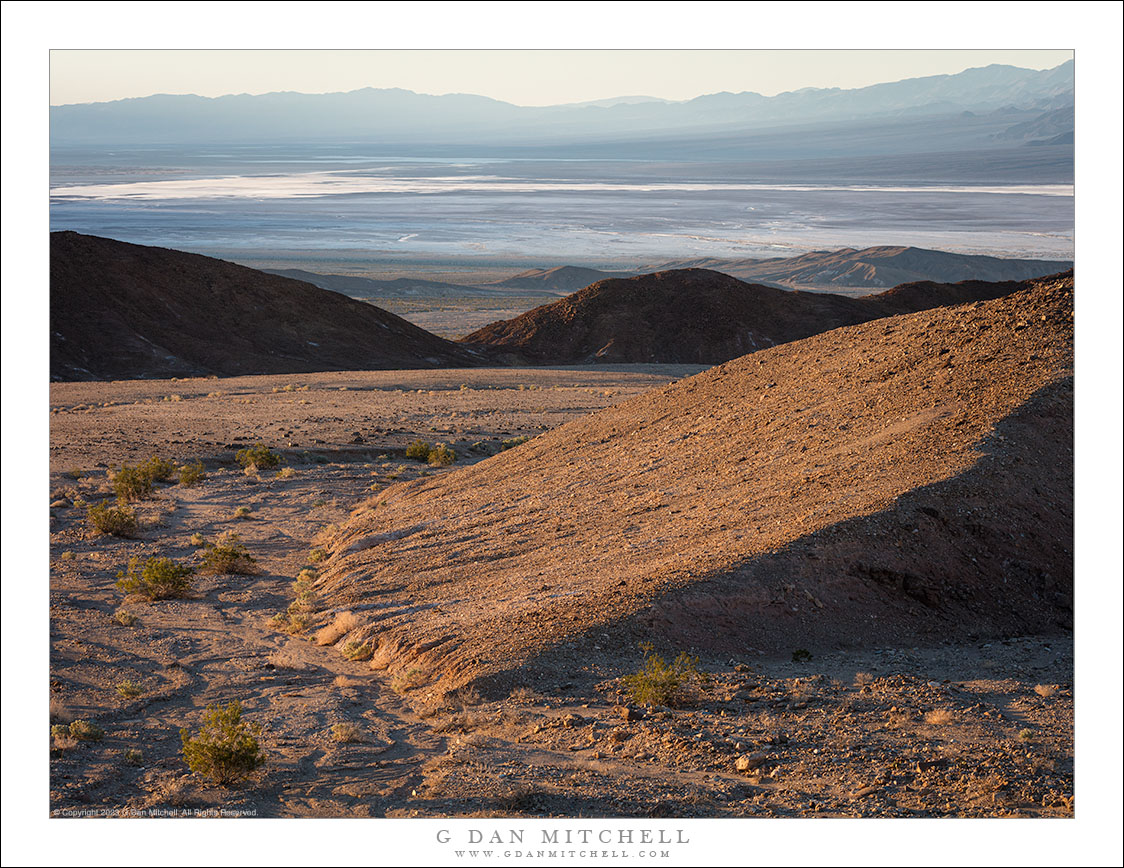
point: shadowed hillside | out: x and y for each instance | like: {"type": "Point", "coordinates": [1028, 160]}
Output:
{"type": "Point", "coordinates": [908, 479]}
{"type": "Point", "coordinates": [125, 311]}
{"type": "Point", "coordinates": [696, 316]}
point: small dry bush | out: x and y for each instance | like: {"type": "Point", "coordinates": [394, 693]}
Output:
{"type": "Point", "coordinates": [317, 556]}
{"type": "Point", "coordinates": [198, 540]}
{"type": "Point", "coordinates": [661, 683]}
{"type": "Point", "coordinates": [513, 442]}
{"type": "Point", "coordinates": [125, 618]}
{"type": "Point", "coordinates": [132, 483]}
{"type": "Point", "coordinates": [84, 730]}
{"type": "Point", "coordinates": [242, 512]}
{"type": "Point", "coordinates": [286, 473]}
{"type": "Point", "coordinates": [346, 733]}
{"type": "Point", "coordinates": [158, 469]}
{"type": "Point", "coordinates": [228, 556]}
{"type": "Point", "coordinates": [191, 474]}
{"type": "Point", "coordinates": [129, 689]}
{"type": "Point", "coordinates": [58, 712]}
{"type": "Point", "coordinates": [441, 456]}
{"type": "Point", "coordinates": [112, 520]}
{"type": "Point", "coordinates": [132, 757]}
{"type": "Point", "coordinates": [408, 680]}
{"type": "Point", "coordinates": [226, 748]}
{"type": "Point", "coordinates": [419, 450]}
{"type": "Point", "coordinates": [257, 458]}
{"type": "Point", "coordinates": [939, 717]}
{"type": "Point", "coordinates": [157, 579]}
{"type": "Point", "coordinates": [863, 678]}
{"type": "Point", "coordinates": [358, 651]}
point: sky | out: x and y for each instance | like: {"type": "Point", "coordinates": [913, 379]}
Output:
{"type": "Point", "coordinates": [523, 77]}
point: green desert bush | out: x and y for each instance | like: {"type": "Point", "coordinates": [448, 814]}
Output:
{"type": "Point", "coordinates": [418, 450]}
{"type": "Point", "coordinates": [441, 455]}
{"type": "Point", "coordinates": [226, 748]}
{"type": "Point", "coordinates": [513, 442]}
{"type": "Point", "coordinates": [228, 555]}
{"type": "Point", "coordinates": [133, 757]}
{"type": "Point", "coordinates": [132, 483]}
{"type": "Point", "coordinates": [84, 730]}
{"type": "Point", "coordinates": [317, 556]}
{"type": "Point", "coordinates": [157, 578]}
{"type": "Point", "coordinates": [158, 469]}
{"type": "Point", "coordinates": [661, 683]}
{"type": "Point", "coordinates": [256, 458]}
{"type": "Point", "coordinates": [129, 689]}
{"type": "Point", "coordinates": [112, 520]}
{"type": "Point", "coordinates": [242, 512]}
{"type": "Point", "coordinates": [191, 474]}
{"type": "Point", "coordinates": [346, 733]}
{"type": "Point", "coordinates": [358, 651]}
{"type": "Point", "coordinates": [198, 540]}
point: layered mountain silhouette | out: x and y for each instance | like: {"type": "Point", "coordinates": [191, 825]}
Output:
{"type": "Point", "coordinates": [126, 311]}
{"type": "Point", "coordinates": [697, 316]}
{"type": "Point", "coordinates": [395, 115]}
{"type": "Point", "coordinates": [875, 267]}
{"type": "Point", "coordinates": [906, 479]}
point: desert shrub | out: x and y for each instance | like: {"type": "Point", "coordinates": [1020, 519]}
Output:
{"type": "Point", "coordinates": [242, 512]}
{"type": "Point", "coordinates": [67, 556]}
{"type": "Point", "coordinates": [513, 442]}
{"type": "Point", "coordinates": [191, 474]}
{"type": "Point", "coordinates": [801, 655]}
{"type": "Point", "coordinates": [419, 450]}
{"type": "Point", "coordinates": [84, 730]}
{"type": "Point", "coordinates": [158, 469]}
{"type": "Point", "coordinates": [408, 680]}
{"type": "Point", "coordinates": [358, 651]}
{"type": "Point", "coordinates": [125, 618]}
{"type": "Point", "coordinates": [132, 483]}
{"type": "Point", "coordinates": [58, 730]}
{"type": "Point", "coordinates": [198, 540]}
{"type": "Point", "coordinates": [129, 689]}
{"type": "Point", "coordinates": [317, 555]}
{"type": "Point", "coordinates": [228, 556]}
{"type": "Point", "coordinates": [112, 520]}
{"type": "Point", "coordinates": [226, 748]}
{"type": "Point", "coordinates": [346, 733]}
{"type": "Point", "coordinates": [157, 579]}
{"type": "Point", "coordinates": [286, 473]}
{"type": "Point", "coordinates": [661, 683]}
{"type": "Point", "coordinates": [133, 757]}
{"type": "Point", "coordinates": [58, 712]}
{"type": "Point", "coordinates": [441, 455]}
{"type": "Point", "coordinates": [259, 457]}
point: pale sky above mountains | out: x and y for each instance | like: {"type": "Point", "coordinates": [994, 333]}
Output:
{"type": "Point", "coordinates": [523, 77]}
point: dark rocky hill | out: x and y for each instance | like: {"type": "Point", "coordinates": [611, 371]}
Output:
{"type": "Point", "coordinates": [126, 311]}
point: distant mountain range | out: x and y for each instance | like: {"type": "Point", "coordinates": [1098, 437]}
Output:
{"type": "Point", "coordinates": [874, 267]}
{"type": "Point", "coordinates": [1009, 99]}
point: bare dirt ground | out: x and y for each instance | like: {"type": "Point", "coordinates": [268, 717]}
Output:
{"type": "Point", "coordinates": [969, 729]}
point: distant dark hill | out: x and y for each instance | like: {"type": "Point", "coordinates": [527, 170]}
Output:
{"type": "Point", "coordinates": [125, 311]}
{"type": "Point", "coordinates": [876, 267]}
{"type": "Point", "coordinates": [565, 278]}
{"type": "Point", "coordinates": [696, 316]}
